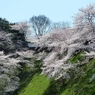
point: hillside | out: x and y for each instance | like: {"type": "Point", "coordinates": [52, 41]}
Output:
{"type": "Point", "coordinates": [60, 62]}
{"type": "Point", "coordinates": [81, 83]}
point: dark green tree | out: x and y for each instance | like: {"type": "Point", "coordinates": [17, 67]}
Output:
{"type": "Point", "coordinates": [4, 25]}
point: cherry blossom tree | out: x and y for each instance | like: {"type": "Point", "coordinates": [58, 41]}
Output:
{"type": "Point", "coordinates": [65, 45]}
{"type": "Point", "coordinates": [6, 43]}
{"type": "Point", "coordinates": [9, 65]}
{"type": "Point", "coordinates": [22, 27]}
{"type": "Point", "coordinates": [85, 17]}
{"type": "Point", "coordinates": [66, 42]}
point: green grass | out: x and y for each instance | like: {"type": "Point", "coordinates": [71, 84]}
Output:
{"type": "Point", "coordinates": [77, 57]}
{"type": "Point", "coordinates": [36, 86]}
{"type": "Point", "coordinates": [81, 85]}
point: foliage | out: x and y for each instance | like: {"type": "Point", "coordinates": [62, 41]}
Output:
{"type": "Point", "coordinates": [71, 61]}
{"type": "Point", "coordinates": [55, 87]}
{"type": "Point", "coordinates": [67, 41]}
{"type": "Point", "coordinates": [8, 72]}
{"type": "Point", "coordinates": [4, 25]}
{"type": "Point", "coordinates": [23, 28]}
{"type": "Point", "coordinates": [11, 66]}
{"type": "Point", "coordinates": [81, 85]}
{"type": "Point", "coordinates": [85, 17]}
{"type": "Point", "coordinates": [6, 43]}
{"type": "Point", "coordinates": [77, 57]}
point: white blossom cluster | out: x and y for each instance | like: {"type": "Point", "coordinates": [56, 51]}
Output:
{"type": "Point", "coordinates": [66, 42]}
{"type": "Point", "coordinates": [9, 65]}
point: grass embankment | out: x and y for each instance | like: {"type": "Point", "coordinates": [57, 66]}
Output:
{"type": "Point", "coordinates": [32, 83]}
{"type": "Point", "coordinates": [36, 86]}
{"type": "Point", "coordinates": [78, 85]}
{"type": "Point", "coordinates": [82, 85]}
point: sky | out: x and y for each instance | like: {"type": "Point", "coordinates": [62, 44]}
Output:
{"type": "Point", "coordinates": [55, 10]}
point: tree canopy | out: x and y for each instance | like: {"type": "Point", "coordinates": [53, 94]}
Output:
{"type": "Point", "coordinates": [4, 25]}
{"type": "Point", "coordinates": [40, 24]}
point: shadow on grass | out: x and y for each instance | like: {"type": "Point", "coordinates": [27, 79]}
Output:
{"type": "Point", "coordinates": [26, 75]}
{"type": "Point", "coordinates": [55, 87]}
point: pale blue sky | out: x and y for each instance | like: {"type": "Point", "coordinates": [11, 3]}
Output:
{"type": "Point", "coordinates": [56, 10]}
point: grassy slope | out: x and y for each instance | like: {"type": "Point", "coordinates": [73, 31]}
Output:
{"type": "Point", "coordinates": [36, 86]}
{"type": "Point", "coordinates": [78, 85]}
{"type": "Point", "coordinates": [81, 85]}
{"type": "Point", "coordinates": [33, 83]}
